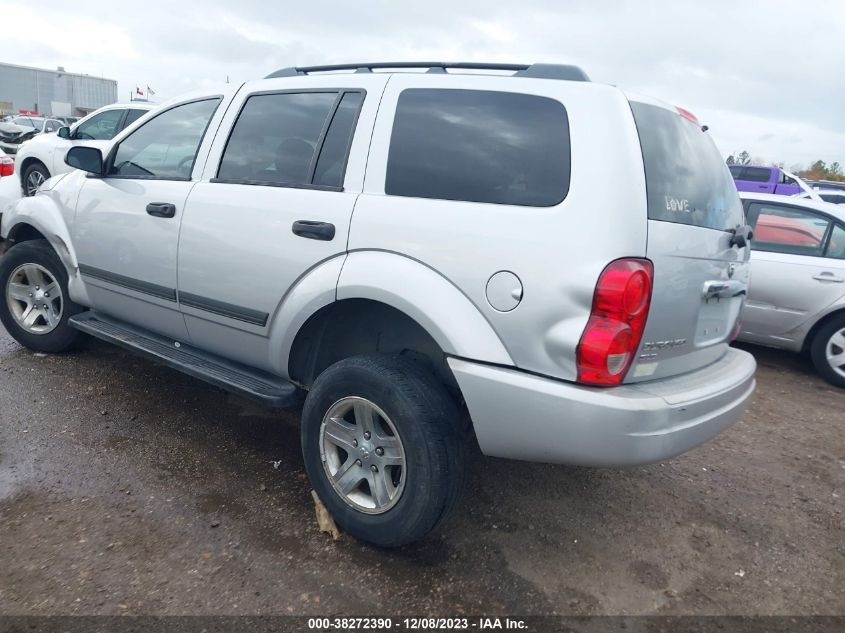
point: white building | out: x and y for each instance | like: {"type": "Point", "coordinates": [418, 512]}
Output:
{"type": "Point", "coordinates": [52, 92]}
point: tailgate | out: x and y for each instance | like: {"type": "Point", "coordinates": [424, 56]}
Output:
{"type": "Point", "coordinates": [700, 279]}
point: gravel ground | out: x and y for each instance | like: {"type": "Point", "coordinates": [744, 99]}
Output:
{"type": "Point", "coordinates": [127, 488]}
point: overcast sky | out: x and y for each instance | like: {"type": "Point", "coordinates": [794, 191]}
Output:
{"type": "Point", "coordinates": [767, 77]}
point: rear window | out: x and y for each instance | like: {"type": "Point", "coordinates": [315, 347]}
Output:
{"type": "Point", "coordinates": [687, 181]}
{"type": "Point", "coordinates": [479, 146]}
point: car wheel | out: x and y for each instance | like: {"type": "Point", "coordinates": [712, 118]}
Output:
{"type": "Point", "coordinates": [34, 301]}
{"type": "Point", "coordinates": [383, 448]}
{"type": "Point", "coordinates": [828, 351]}
{"type": "Point", "coordinates": [33, 177]}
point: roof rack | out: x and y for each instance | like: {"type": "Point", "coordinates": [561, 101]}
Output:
{"type": "Point", "coordinates": [537, 71]}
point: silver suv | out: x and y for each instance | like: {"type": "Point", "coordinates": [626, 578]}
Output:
{"type": "Point", "coordinates": [553, 264]}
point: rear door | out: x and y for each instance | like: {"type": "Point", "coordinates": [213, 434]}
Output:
{"type": "Point", "coordinates": [275, 201]}
{"type": "Point", "coordinates": [798, 260]}
{"type": "Point", "coordinates": [700, 279]}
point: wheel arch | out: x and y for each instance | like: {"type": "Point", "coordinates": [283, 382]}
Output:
{"type": "Point", "coordinates": [27, 162]}
{"type": "Point", "coordinates": [373, 302]}
{"type": "Point", "coordinates": [837, 312]}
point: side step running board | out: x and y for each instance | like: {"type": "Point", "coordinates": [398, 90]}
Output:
{"type": "Point", "coordinates": [270, 390]}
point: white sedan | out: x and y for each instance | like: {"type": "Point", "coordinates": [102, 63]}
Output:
{"type": "Point", "coordinates": [44, 156]}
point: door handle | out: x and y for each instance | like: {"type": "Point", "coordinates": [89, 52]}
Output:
{"type": "Point", "coordinates": [314, 230]}
{"type": "Point", "coordinates": [723, 289]}
{"type": "Point", "coordinates": [827, 276]}
{"type": "Point", "coordinates": [161, 209]}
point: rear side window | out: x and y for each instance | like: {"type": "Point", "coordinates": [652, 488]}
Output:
{"type": "Point", "coordinates": [332, 162]}
{"type": "Point", "coordinates": [479, 146]}
{"type": "Point", "coordinates": [687, 181]}
{"type": "Point", "coordinates": [784, 229]}
{"type": "Point", "coordinates": [757, 174]}
{"type": "Point", "coordinates": [291, 139]}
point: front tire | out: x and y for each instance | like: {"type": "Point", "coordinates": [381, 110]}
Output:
{"type": "Point", "coordinates": [828, 351]}
{"type": "Point", "coordinates": [33, 177]}
{"type": "Point", "coordinates": [383, 448]}
{"type": "Point", "coordinates": [34, 301]}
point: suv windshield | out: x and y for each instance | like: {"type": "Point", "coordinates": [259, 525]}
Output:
{"type": "Point", "coordinates": [686, 179]}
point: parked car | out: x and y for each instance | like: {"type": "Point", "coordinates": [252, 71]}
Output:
{"type": "Point", "coordinates": [9, 190]}
{"type": "Point", "coordinates": [477, 279]}
{"type": "Point", "coordinates": [764, 180]}
{"type": "Point", "coordinates": [827, 184]}
{"type": "Point", "coordinates": [22, 128]}
{"type": "Point", "coordinates": [834, 196]}
{"type": "Point", "coordinates": [44, 156]}
{"type": "Point", "coordinates": [797, 297]}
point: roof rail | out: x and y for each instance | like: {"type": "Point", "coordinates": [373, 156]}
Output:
{"type": "Point", "coordinates": [537, 71]}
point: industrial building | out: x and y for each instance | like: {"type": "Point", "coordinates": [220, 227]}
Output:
{"type": "Point", "coordinates": [52, 92]}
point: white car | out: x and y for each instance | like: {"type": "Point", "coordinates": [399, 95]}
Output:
{"type": "Point", "coordinates": [14, 131]}
{"type": "Point", "coordinates": [834, 196]}
{"type": "Point", "coordinates": [44, 156]}
{"type": "Point", "coordinates": [796, 299]}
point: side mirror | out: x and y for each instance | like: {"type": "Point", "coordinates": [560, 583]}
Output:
{"type": "Point", "coordinates": [88, 159]}
{"type": "Point", "coordinates": [63, 132]}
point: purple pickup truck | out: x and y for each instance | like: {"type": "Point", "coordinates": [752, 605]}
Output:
{"type": "Point", "coordinates": [763, 180]}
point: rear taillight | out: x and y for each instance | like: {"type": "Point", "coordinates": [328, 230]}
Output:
{"type": "Point", "coordinates": [615, 328]}
{"type": "Point", "coordinates": [7, 166]}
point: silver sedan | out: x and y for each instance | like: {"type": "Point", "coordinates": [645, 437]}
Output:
{"type": "Point", "coordinates": [796, 297]}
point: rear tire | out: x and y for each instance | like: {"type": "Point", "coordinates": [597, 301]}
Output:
{"type": "Point", "coordinates": [34, 301]}
{"type": "Point", "coordinates": [828, 351]}
{"type": "Point", "coordinates": [414, 422]}
{"type": "Point", "coordinates": [33, 176]}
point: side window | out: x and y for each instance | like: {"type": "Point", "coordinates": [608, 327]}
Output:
{"type": "Point", "coordinates": [782, 229]}
{"type": "Point", "coordinates": [757, 174]}
{"type": "Point", "coordinates": [331, 165]}
{"type": "Point", "coordinates": [51, 126]}
{"type": "Point", "coordinates": [101, 127]}
{"type": "Point", "coordinates": [165, 146]}
{"type": "Point", "coordinates": [285, 139]}
{"type": "Point", "coordinates": [479, 146]}
{"type": "Point", "coordinates": [736, 171]}
{"type": "Point", "coordinates": [133, 115]}
{"type": "Point", "coordinates": [836, 245]}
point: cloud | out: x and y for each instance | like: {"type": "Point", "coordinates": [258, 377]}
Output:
{"type": "Point", "coordinates": [761, 64]}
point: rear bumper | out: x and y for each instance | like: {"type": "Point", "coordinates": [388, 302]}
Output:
{"type": "Point", "coordinates": [523, 416]}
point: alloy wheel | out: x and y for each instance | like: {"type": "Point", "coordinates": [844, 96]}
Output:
{"type": "Point", "coordinates": [362, 455]}
{"type": "Point", "coordinates": [835, 352]}
{"type": "Point", "coordinates": [34, 180]}
{"type": "Point", "coordinates": [34, 297]}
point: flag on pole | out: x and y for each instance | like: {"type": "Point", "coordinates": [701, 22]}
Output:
{"type": "Point", "coordinates": [150, 91]}
{"type": "Point", "coordinates": [139, 92]}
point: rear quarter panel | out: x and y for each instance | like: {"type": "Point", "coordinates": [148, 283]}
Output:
{"type": "Point", "coordinates": [556, 252]}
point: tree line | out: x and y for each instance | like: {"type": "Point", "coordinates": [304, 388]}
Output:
{"type": "Point", "coordinates": [817, 170]}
